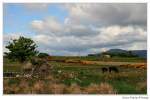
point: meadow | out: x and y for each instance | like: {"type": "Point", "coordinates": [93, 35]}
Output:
{"type": "Point", "coordinates": [81, 75]}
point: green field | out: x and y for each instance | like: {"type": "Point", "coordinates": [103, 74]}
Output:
{"type": "Point", "coordinates": [70, 78]}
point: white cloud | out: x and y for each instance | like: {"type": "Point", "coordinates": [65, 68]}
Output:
{"type": "Point", "coordinates": [36, 7]}
{"type": "Point", "coordinates": [108, 14]}
{"type": "Point", "coordinates": [37, 25]}
{"type": "Point", "coordinates": [9, 37]}
{"type": "Point", "coordinates": [125, 37]}
{"type": "Point", "coordinates": [47, 26]}
{"type": "Point", "coordinates": [51, 26]}
{"type": "Point", "coordinates": [90, 28]}
{"type": "Point", "coordinates": [124, 33]}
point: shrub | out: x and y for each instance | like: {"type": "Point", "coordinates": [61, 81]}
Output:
{"type": "Point", "coordinates": [103, 88]}
{"type": "Point", "coordinates": [73, 89]}
{"type": "Point", "coordinates": [21, 49]}
{"type": "Point", "coordinates": [24, 87]}
{"type": "Point", "coordinates": [38, 87]}
{"type": "Point", "coordinates": [142, 86]}
{"type": "Point", "coordinates": [56, 88]}
{"type": "Point", "coordinates": [43, 55]}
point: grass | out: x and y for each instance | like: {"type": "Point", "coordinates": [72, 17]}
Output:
{"type": "Point", "coordinates": [76, 78]}
{"type": "Point", "coordinates": [123, 82]}
{"type": "Point", "coordinates": [13, 66]}
{"type": "Point", "coordinates": [97, 58]}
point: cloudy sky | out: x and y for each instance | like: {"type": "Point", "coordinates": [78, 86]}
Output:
{"type": "Point", "coordinates": [77, 29]}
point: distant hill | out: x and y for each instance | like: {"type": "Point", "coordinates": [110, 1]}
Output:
{"type": "Point", "coordinates": [123, 53]}
{"type": "Point", "coordinates": [140, 53]}
{"type": "Point", "coordinates": [116, 51]}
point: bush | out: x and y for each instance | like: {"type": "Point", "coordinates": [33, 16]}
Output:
{"type": "Point", "coordinates": [21, 49]}
{"type": "Point", "coordinates": [103, 88]}
{"type": "Point", "coordinates": [142, 86]}
{"type": "Point", "coordinates": [56, 88]}
{"type": "Point", "coordinates": [73, 89]}
{"type": "Point", "coordinates": [38, 87]}
{"type": "Point", "coordinates": [43, 55]}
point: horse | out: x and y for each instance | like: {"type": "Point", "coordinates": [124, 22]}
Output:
{"type": "Point", "coordinates": [104, 70]}
{"type": "Point", "coordinates": [111, 69]}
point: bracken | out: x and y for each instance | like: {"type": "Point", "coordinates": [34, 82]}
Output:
{"type": "Point", "coordinates": [103, 88]}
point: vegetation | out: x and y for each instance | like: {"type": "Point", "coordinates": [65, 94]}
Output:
{"type": "Point", "coordinates": [46, 74]}
{"type": "Point", "coordinates": [78, 78]}
{"type": "Point", "coordinates": [21, 49]}
{"type": "Point", "coordinates": [43, 55]}
{"type": "Point", "coordinates": [126, 54]}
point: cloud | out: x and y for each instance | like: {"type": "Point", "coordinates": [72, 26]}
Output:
{"type": "Point", "coordinates": [108, 37]}
{"type": "Point", "coordinates": [37, 25]}
{"type": "Point", "coordinates": [108, 14]}
{"type": "Point", "coordinates": [90, 28]}
{"type": "Point", "coordinates": [47, 26]}
{"type": "Point", "coordinates": [7, 38]}
{"type": "Point", "coordinates": [94, 27]}
{"type": "Point", "coordinates": [36, 6]}
{"type": "Point", "coordinates": [52, 26]}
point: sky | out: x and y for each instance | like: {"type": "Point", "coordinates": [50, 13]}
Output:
{"type": "Point", "coordinates": [77, 28]}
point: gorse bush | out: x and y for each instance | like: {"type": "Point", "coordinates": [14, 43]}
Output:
{"type": "Point", "coordinates": [21, 49]}
{"type": "Point", "coordinates": [102, 88]}
{"type": "Point", "coordinates": [43, 55]}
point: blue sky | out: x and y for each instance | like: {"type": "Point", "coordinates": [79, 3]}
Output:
{"type": "Point", "coordinates": [17, 17]}
{"type": "Point", "coordinates": [73, 29]}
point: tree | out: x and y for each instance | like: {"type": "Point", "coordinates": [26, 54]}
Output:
{"type": "Point", "coordinates": [21, 49]}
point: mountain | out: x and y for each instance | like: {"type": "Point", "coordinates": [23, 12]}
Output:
{"type": "Point", "coordinates": [116, 51]}
{"type": "Point", "coordinates": [140, 53]}
{"type": "Point", "coordinates": [124, 53]}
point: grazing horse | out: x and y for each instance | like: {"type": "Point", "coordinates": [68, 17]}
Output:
{"type": "Point", "coordinates": [104, 69]}
{"type": "Point", "coordinates": [113, 69]}
{"type": "Point", "coordinates": [110, 69]}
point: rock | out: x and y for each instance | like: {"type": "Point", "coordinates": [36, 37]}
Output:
{"type": "Point", "coordinates": [37, 68]}
{"type": "Point", "coordinates": [27, 68]}
{"type": "Point", "coordinates": [42, 69]}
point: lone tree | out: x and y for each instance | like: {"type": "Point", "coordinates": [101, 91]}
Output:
{"type": "Point", "coordinates": [21, 49]}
